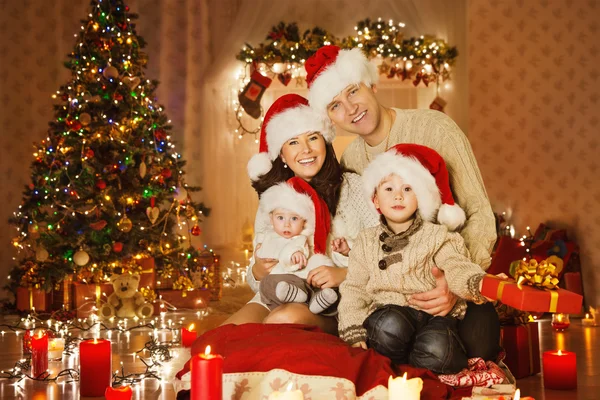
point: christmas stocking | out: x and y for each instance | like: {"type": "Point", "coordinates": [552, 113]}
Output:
{"type": "Point", "coordinates": [250, 97]}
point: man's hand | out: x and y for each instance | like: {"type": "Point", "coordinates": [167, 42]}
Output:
{"type": "Point", "coordinates": [340, 245]}
{"type": "Point", "coordinates": [326, 277]}
{"type": "Point", "coordinates": [262, 266]}
{"type": "Point", "coordinates": [362, 345]}
{"type": "Point", "coordinates": [438, 301]}
{"type": "Point", "coordinates": [299, 258]}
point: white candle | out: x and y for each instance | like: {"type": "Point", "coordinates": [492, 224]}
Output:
{"type": "Point", "coordinates": [55, 348]}
{"type": "Point", "coordinates": [289, 394]}
{"type": "Point", "coordinates": [404, 389]}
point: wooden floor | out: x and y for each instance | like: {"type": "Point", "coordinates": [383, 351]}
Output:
{"type": "Point", "coordinates": [584, 341]}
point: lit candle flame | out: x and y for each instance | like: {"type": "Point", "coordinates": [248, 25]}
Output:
{"type": "Point", "coordinates": [207, 350]}
{"type": "Point", "coordinates": [40, 334]}
{"type": "Point", "coordinates": [191, 328]}
{"type": "Point", "coordinates": [560, 353]}
{"type": "Point", "coordinates": [517, 395]}
{"type": "Point", "coordinates": [95, 341]}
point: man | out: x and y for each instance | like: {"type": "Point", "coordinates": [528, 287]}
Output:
{"type": "Point", "coordinates": [342, 88]}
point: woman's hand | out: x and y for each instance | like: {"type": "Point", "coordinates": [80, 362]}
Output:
{"type": "Point", "coordinates": [326, 277]}
{"type": "Point", "coordinates": [262, 266]}
{"type": "Point", "coordinates": [438, 301]}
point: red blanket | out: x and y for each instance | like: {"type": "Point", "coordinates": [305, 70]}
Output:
{"type": "Point", "coordinates": [307, 350]}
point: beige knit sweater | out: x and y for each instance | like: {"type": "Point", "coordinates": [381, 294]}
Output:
{"type": "Point", "coordinates": [436, 130]}
{"type": "Point", "coordinates": [408, 262]}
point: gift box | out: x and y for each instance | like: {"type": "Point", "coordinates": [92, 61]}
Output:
{"type": "Point", "coordinates": [507, 251]}
{"type": "Point", "coordinates": [87, 296]}
{"type": "Point", "coordinates": [528, 298]}
{"type": "Point", "coordinates": [62, 298]}
{"type": "Point", "coordinates": [189, 299]}
{"type": "Point", "coordinates": [210, 260]}
{"type": "Point", "coordinates": [148, 274]}
{"type": "Point", "coordinates": [29, 298]}
{"type": "Point", "coordinates": [522, 346]}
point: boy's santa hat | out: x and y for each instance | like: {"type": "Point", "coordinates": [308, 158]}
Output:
{"type": "Point", "coordinates": [298, 196]}
{"type": "Point", "coordinates": [425, 171]}
{"type": "Point", "coordinates": [289, 116]}
{"type": "Point", "coordinates": [330, 70]}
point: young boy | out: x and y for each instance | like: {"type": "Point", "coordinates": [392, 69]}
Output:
{"type": "Point", "coordinates": [409, 186]}
{"type": "Point", "coordinates": [297, 225]}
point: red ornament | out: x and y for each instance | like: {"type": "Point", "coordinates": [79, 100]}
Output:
{"type": "Point", "coordinates": [76, 125]}
{"type": "Point", "coordinates": [196, 230]}
{"type": "Point", "coordinates": [99, 225]}
{"type": "Point", "coordinates": [121, 393]}
{"type": "Point", "coordinates": [117, 247]}
{"type": "Point", "coordinates": [101, 184]}
{"type": "Point", "coordinates": [89, 153]}
{"type": "Point", "coordinates": [118, 96]}
{"type": "Point", "coordinates": [160, 134]}
{"type": "Point", "coordinates": [166, 172]}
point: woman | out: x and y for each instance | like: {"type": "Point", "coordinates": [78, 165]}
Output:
{"type": "Point", "coordinates": [296, 142]}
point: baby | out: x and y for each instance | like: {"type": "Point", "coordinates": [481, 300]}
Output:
{"type": "Point", "coordinates": [297, 226]}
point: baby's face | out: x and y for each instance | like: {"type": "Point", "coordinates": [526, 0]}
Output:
{"type": "Point", "coordinates": [286, 223]}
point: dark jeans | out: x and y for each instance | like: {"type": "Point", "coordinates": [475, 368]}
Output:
{"type": "Point", "coordinates": [409, 336]}
{"type": "Point", "coordinates": [479, 331]}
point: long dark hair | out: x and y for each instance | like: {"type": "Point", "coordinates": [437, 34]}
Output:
{"type": "Point", "coordinates": [327, 182]}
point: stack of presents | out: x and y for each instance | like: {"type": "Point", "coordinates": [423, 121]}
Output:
{"type": "Point", "coordinates": [543, 276]}
{"type": "Point", "coordinates": [165, 290]}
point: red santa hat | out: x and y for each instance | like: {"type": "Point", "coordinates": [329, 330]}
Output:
{"type": "Point", "coordinates": [425, 171]}
{"type": "Point", "coordinates": [330, 70]}
{"type": "Point", "coordinates": [298, 196]}
{"type": "Point", "coordinates": [289, 116]}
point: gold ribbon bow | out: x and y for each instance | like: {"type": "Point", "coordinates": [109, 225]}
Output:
{"type": "Point", "coordinates": [542, 275]}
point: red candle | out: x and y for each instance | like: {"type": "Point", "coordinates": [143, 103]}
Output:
{"type": "Point", "coordinates": [39, 354]}
{"type": "Point", "coordinates": [95, 367]}
{"type": "Point", "coordinates": [122, 393]}
{"type": "Point", "coordinates": [188, 336]}
{"type": "Point", "coordinates": [207, 376]}
{"type": "Point", "coordinates": [560, 370]}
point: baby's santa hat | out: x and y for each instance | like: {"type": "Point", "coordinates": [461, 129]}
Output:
{"type": "Point", "coordinates": [288, 117]}
{"type": "Point", "coordinates": [331, 69]}
{"type": "Point", "coordinates": [299, 197]}
{"type": "Point", "coordinates": [425, 171]}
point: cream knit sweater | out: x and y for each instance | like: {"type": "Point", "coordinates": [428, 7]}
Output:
{"type": "Point", "coordinates": [436, 130]}
{"type": "Point", "coordinates": [408, 262]}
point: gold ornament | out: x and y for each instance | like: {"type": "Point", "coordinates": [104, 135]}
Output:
{"type": "Point", "coordinates": [110, 72]}
{"type": "Point", "coordinates": [41, 254]}
{"type": "Point", "coordinates": [142, 170]}
{"type": "Point", "coordinates": [81, 258]}
{"type": "Point", "coordinates": [125, 224]}
{"type": "Point", "coordinates": [85, 119]}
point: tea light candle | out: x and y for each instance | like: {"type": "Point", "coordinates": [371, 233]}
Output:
{"type": "Point", "coordinates": [207, 376]}
{"type": "Point", "coordinates": [404, 389]}
{"type": "Point", "coordinates": [560, 370]}
{"type": "Point", "coordinates": [188, 336]}
{"type": "Point", "coordinates": [560, 322]}
{"type": "Point", "coordinates": [39, 354]}
{"type": "Point", "coordinates": [55, 348]}
{"type": "Point", "coordinates": [588, 320]}
{"type": "Point", "coordinates": [95, 367]}
{"type": "Point", "coordinates": [121, 393]}
{"type": "Point", "coordinates": [289, 394]}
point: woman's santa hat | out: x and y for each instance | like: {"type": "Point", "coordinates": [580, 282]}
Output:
{"type": "Point", "coordinates": [288, 117]}
{"type": "Point", "coordinates": [330, 70]}
{"type": "Point", "coordinates": [298, 196]}
{"type": "Point", "coordinates": [425, 171]}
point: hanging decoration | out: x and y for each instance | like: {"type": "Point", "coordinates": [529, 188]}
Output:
{"type": "Point", "coordinates": [421, 60]}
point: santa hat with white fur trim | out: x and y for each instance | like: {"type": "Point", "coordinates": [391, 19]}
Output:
{"type": "Point", "coordinates": [298, 196]}
{"type": "Point", "coordinates": [425, 171]}
{"type": "Point", "coordinates": [330, 70]}
{"type": "Point", "coordinates": [289, 116]}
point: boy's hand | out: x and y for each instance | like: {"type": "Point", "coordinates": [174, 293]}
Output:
{"type": "Point", "coordinates": [362, 345]}
{"type": "Point", "coordinates": [340, 245]}
{"type": "Point", "coordinates": [299, 258]}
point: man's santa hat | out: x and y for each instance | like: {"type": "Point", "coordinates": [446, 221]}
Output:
{"type": "Point", "coordinates": [288, 117]}
{"type": "Point", "coordinates": [298, 196]}
{"type": "Point", "coordinates": [425, 171]}
{"type": "Point", "coordinates": [330, 70]}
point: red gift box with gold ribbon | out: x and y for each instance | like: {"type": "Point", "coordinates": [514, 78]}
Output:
{"type": "Point", "coordinates": [527, 298]}
{"type": "Point", "coordinates": [522, 346]}
{"type": "Point", "coordinates": [29, 298]}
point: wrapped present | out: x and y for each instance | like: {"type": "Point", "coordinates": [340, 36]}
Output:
{"type": "Point", "coordinates": [528, 298]}
{"type": "Point", "coordinates": [507, 251]}
{"type": "Point", "coordinates": [572, 282]}
{"type": "Point", "coordinates": [522, 346]}
{"type": "Point", "coordinates": [210, 261]}
{"type": "Point", "coordinates": [30, 298]}
{"type": "Point", "coordinates": [147, 273]}
{"type": "Point", "coordinates": [190, 299]}
{"type": "Point", "coordinates": [88, 296]}
{"type": "Point", "coordinates": [62, 298]}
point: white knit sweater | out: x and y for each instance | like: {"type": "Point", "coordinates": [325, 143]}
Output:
{"type": "Point", "coordinates": [436, 130]}
{"type": "Point", "coordinates": [407, 270]}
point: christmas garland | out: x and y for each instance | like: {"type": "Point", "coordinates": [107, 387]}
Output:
{"type": "Point", "coordinates": [423, 59]}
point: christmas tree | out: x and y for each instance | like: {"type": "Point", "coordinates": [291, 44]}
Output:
{"type": "Point", "coordinates": [106, 184]}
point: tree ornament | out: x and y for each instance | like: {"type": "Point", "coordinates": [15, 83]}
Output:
{"type": "Point", "coordinates": [98, 225]}
{"type": "Point", "coordinates": [117, 96]}
{"type": "Point", "coordinates": [181, 195]}
{"type": "Point", "coordinates": [96, 99]}
{"type": "Point", "coordinates": [125, 224]}
{"type": "Point", "coordinates": [252, 94]}
{"type": "Point", "coordinates": [85, 119]}
{"type": "Point", "coordinates": [142, 169]}
{"type": "Point", "coordinates": [89, 153]}
{"type": "Point", "coordinates": [41, 254]}
{"type": "Point", "coordinates": [132, 81]}
{"type": "Point", "coordinates": [101, 184]}
{"type": "Point", "coordinates": [438, 104]}
{"type": "Point", "coordinates": [284, 78]}
{"type": "Point", "coordinates": [160, 134]}
{"type": "Point", "coordinates": [196, 231]}
{"type": "Point", "coordinates": [152, 212]}
{"type": "Point", "coordinates": [166, 173]}
{"type": "Point", "coordinates": [117, 247]}
{"type": "Point", "coordinates": [74, 125]}
{"type": "Point", "coordinates": [110, 72]}
{"type": "Point", "coordinates": [81, 258]}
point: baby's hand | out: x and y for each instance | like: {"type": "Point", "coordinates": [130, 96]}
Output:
{"type": "Point", "coordinates": [362, 345]}
{"type": "Point", "coordinates": [340, 245]}
{"type": "Point", "coordinates": [299, 258]}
